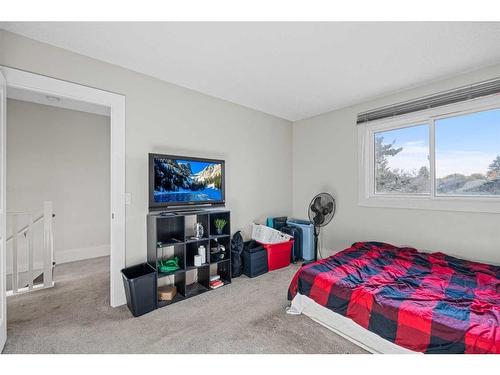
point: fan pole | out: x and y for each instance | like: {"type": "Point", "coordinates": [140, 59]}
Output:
{"type": "Point", "coordinates": [316, 235]}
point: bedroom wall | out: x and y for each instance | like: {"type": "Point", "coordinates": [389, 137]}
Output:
{"type": "Point", "coordinates": [325, 158]}
{"type": "Point", "coordinates": [61, 155]}
{"type": "Point", "coordinates": [165, 118]}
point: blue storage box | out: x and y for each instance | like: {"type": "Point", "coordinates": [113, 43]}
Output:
{"type": "Point", "coordinates": [276, 222]}
{"type": "Point", "coordinates": [269, 222]}
{"type": "Point", "coordinates": [307, 237]}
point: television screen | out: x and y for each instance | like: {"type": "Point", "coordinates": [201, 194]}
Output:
{"type": "Point", "coordinates": [182, 180]}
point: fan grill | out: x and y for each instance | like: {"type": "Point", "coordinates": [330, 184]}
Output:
{"type": "Point", "coordinates": [321, 209]}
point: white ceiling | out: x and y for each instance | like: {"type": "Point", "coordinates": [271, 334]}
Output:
{"type": "Point", "coordinates": [290, 70]}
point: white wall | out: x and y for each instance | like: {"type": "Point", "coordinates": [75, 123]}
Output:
{"type": "Point", "coordinates": [165, 118]}
{"type": "Point", "coordinates": [62, 156]}
{"type": "Point", "coordinates": [325, 159]}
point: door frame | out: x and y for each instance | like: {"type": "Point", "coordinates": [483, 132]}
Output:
{"type": "Point", "coordinates": [116, 103]}
{"type": "Point", "coordinates": [3, 211]}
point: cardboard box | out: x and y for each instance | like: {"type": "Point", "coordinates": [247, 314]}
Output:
{"type": "Point", "coordinates": [166, 292]}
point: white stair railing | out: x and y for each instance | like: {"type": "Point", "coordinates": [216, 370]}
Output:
{"type": "Point", "coordinates": [46, 251]}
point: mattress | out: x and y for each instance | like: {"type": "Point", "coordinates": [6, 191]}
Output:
{"type": "Point", "coordinates": [425, 302]}
{"type": "Point", "coordinates": [344, 327]}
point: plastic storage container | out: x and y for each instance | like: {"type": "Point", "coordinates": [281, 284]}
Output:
{"type": "Point", "coordinates": [140, 283]}
{"type": "Point", "coordinates": [276, 222]}
{"type": "Point", "coordinates": [278, 254]}
{"type": "Point", "coordinates": [264, 234]}
{"type": "Point", "coordinates": [307, 237]}
{"type": "Point", "coordinates": [254, 259]}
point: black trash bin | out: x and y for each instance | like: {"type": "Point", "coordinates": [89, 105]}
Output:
{"type": "Point", "coordinates": [140, 283]}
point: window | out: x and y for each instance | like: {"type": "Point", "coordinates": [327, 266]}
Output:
{"type": "Point", "coordinates": [402, 161]}
{"type": "Point", "coordinates": [468, 154]}
{"type": "Point", "coordinates": [443, 158]}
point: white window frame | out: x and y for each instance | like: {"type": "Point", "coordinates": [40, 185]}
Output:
{"type": "Point", "coordinates": [432, 201]}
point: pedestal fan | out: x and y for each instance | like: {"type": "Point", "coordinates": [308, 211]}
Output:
{"type": "Point", "coordinates": [321, 212]}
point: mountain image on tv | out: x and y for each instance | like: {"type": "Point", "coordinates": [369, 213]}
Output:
{"type": "Point", "coordinates": [178, 180]}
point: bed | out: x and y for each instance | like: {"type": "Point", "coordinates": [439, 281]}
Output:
{"type": "Point", "coordinates": [398, 300]}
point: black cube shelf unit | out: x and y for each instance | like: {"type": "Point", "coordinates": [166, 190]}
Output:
{"type": "Point", "coordinates": [175, 231]}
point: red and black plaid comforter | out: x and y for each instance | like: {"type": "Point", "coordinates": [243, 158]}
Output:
{"type": "Point", "coordinates": [431, 303]}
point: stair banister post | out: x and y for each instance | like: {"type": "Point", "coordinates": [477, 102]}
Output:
{"type": "Point", "coordinates": [15, 268]}
{"type": "Point", "coordinates": [30, 251]}
{"type": "Point", "coordinates": [48, 250]}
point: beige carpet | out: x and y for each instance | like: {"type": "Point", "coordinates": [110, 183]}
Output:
{"type": "Point", "coordinates": [247, 316]}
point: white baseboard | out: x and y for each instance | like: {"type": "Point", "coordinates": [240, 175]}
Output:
{"type": "Point", "coordinates": [72, 255]}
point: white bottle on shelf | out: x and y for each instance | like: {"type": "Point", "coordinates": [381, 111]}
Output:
{"type": "Point", "coordinates": [202, 252]}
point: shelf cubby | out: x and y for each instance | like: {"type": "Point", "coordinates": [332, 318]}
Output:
{"type": "Point", "coordinates": [197, 281]}
{"type": "Point", "coordinates": [189, 224]}
{"type": "Point", "coordinates": [215, 243]}
{"type": "Point", "coordinates": [179, 280]}
{"type": "Point", "coordinates": [170, 230]}
{"type": "Point", "coordinates": [192, 250]}
{"type": "Point", "coordinates": [220, 215]}
{"type": "Point", "coordinates": [168, 252]}
{"type": "Point", "coordinates": [224, 270]}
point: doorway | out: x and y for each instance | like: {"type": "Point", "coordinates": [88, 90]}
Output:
{"type": "Point", "coordinates": [57, 155]}
{"type": "Point", "coordinates": [115, 103]}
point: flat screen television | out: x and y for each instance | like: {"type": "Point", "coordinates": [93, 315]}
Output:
{"type": "Point", "coordinates": [185, 181]}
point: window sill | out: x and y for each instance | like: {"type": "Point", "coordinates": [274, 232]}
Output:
{"type": "Point", "coordinates": [463, 204]}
